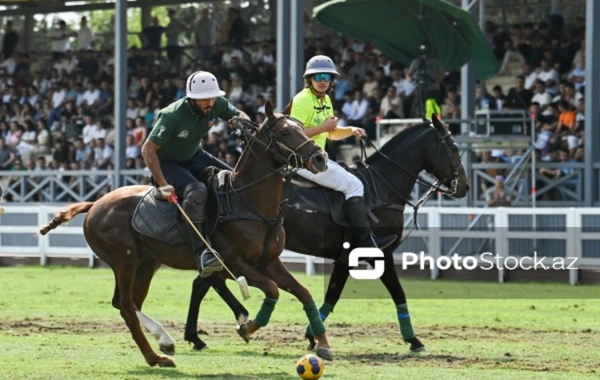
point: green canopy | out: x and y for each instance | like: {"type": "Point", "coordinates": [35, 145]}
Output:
{"type": "Point", "coordinates": [397, 27]}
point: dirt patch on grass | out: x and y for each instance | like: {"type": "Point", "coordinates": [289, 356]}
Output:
{"type": "Point", "coordinates": [534, 350]}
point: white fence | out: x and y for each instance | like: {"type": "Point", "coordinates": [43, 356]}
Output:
{"type": "Point", "coordinates": [569, 234]}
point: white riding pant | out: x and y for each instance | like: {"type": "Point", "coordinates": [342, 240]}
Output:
{"type": "Point", "coordinates": [336, 178]}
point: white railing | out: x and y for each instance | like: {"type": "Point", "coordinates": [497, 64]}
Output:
{"type": "Point", "coordinates": [572, 234]}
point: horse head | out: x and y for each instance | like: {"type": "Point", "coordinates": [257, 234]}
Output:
{"type": "Point", "coordinates": [284, 137]}
{"type": "Point", "coordinates": [443, 161]}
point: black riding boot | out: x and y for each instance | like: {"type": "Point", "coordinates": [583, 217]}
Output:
{"type": "Point", "coordinates": [193, 205]}
{"type": "Point", "coordinates": [363, 236]}
{"type": "Point", "coordinates": [205, 260]}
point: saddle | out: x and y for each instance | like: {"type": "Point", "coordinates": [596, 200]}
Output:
{"type": "Point", "coordinates": [307, 196]}
{"type": "Point", "coordinates": [158, 219]}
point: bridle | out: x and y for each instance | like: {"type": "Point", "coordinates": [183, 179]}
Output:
{"type": "Point", "coordinates": [294, 160]}
{"type": "Point", "coordinates": [443, 138]}
{"type": "Point", "coordinates": [435, 186]}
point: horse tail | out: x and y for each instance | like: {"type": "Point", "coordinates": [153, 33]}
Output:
{"type": "Point", "coordinates": [66, 215]}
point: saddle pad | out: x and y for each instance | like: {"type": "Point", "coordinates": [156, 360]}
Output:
{"type": "Point", "coordinates": [321, 200]}
{"type": "Point", "coordinates": [157, 218]}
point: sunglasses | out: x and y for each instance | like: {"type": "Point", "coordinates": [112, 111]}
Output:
{"type": "Point", "coordinates": [323, 77]}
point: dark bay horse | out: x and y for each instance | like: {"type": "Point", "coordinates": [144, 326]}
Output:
{"type": "Point", "coordinates": [249, 245]}
{"type": "Point", "coordinates": [393, 171]}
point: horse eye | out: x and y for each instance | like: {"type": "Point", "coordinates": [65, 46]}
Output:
{"type": "Point", "coordinates": [285, 132]}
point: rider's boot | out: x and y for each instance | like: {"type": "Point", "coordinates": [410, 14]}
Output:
{"type": "Point", "coordinates": [363, 236]}
{"type": "Point", "coordinates": [195, 195]}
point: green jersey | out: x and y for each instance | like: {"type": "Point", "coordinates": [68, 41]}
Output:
{"type": "Point", "coordinates": [307, 109]}
{"type": "Point", "coordinates": [178, 129]}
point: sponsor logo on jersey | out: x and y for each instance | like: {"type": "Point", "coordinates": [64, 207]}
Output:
{"type": "Point", "coordinates": [183, 134]}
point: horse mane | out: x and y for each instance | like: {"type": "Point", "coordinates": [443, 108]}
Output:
{"type": "Point", "coordinates": [399, 140]}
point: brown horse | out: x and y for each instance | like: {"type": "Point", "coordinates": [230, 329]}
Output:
{"type": "Point", "coordinates": [250, 242]}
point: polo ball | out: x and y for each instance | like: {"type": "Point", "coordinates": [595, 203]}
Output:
{"type": "Point", "coordinates": [310, 367]}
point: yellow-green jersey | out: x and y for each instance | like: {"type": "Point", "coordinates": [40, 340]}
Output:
{"type": "Point", "coordinates": [307, 109]}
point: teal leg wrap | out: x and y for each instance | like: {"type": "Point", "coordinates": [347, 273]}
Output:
{"type": "Point", "coordinates": [314, 319]}
{"type": "Point", "coordinates": [264, 314]}
{"type": "Point", "coordinates": [406, 328]}
{"type": "Point", "coordinates": [324, 312]}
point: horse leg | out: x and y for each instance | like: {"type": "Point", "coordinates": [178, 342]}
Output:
{"type": "Point", "coordinates": [392, 284]}
{"type": "Point", "coordinates": [143, 276]}
{"type": "Point", "coordinates": [199, 289]}
{"type": "Point", "coordinates": [129, 312]}
{"type": "Point", "coordinates": [339, 276]}
{"type": "Point", "coordinates": [240, 313]}
{"type": "Point", "coordinates": [286, 281]}
{"type": "Point", "coordinates": [269, 287]}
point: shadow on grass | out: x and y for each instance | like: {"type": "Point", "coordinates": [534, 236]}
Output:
{"type": "Point", "coordinates": [172, 373]}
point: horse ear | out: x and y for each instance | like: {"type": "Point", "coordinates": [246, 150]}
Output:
{"type": "Point", "coordinates": [438, 124]}
{"type": "Point", "coordinates": [269, 110]}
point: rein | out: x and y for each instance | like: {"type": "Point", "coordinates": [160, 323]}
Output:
{"type": "Point", "coordinates": [432, 187]}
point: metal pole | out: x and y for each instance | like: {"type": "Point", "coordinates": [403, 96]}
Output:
{"type": "Point", "coordinates": [592, 94]}
{"type": "Point", "coordinates": [482, 14]}
{"type": "Point", "coordinates": [120, 86]}
{"type": "Point", "coordinates": [467, 88]}
{"type": "Point", "coordinates": [283, 54]}
{"type": "Point", "coordinates": [533, 166]}
{"type": "Point", "coordinates": [296, 47]}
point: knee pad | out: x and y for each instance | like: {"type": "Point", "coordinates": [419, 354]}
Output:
{"type": "Point", "coordinates": [354, 188]}
{"type": "Point", "coordinates": [194, 200]}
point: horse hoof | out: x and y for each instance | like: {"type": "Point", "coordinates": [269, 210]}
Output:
{"type": "Point", "coordinates": [168, 349]}
{"type": "Point", "coordinates": [243, 332]}
{"type": "Point", "coordinates": [416, 345]}
{"type": "Point", "coordinates": [324, 353]}
{"type": "Point", "coordinates": [164, 361]}
{"type": "Point", "coordinates": [311, 342]}
{"type": "Point", "coordinates": [200, 346]}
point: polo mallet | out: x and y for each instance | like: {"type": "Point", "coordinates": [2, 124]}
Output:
{"type": "Point", "coordinates": [240, 280]}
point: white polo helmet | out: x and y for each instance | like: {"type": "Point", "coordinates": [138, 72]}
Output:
{"type": "Point", "coordinates": [320, 64]}
{"type": "Point", "coordinates": [202, 85]}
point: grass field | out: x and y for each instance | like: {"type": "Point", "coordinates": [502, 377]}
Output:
{"type": "Point", "coordinates": [57, 323]}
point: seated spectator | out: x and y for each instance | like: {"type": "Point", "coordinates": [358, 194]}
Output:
{"type": "Point", "coordinates": [500, 197]}
{"type": "Point", "coordinates": [541, 97]}
{"type": "Point", "coordinates": [519, 97]}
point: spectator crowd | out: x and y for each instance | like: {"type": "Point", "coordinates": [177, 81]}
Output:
{"type": "Point", "coordinates": [56, 112]}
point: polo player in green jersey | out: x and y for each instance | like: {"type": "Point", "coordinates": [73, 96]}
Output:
{"type": "Point", "coordinates": [175, 158]}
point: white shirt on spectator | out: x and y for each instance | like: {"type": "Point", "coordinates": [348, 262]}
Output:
{"type": "Point", "coordinates": [577, 72]}
{"type": "Point", "coordinates": [91, 96]}
{"type": "Point", "coordinates": [543, 99]}
{"type": "Point", "coordinates": [91, 132]}
{"type": "Point", "coordinates": [573, 101]}
{"type": "Point", "coordinates": [132, 152]}
{"type": "Point", "coordinates": [549, 75]}
{"type": "Point", "coordinates": [359, 109]}
{"type": "Point", "coordinates": [100, 154]}
{"type": "Point", "coordinates": [33, 99]}
{"type": "Point", "coordinates": [85, 38]}
{"type": "Point", "coordinates": [133, 113]}
{"type": "Point", "coordinates": [58, 97]}
{"type": "Point", "coordinates": [530, 80]}
{"type": "Point", "coordinates": [226, 59]}
{"type": "Point", "coordinates": [65, 65]}
{"type": "Point", "coordinates": [347, 109]}
{"type": "Point", "coordinates": [63, 44]}
{"type": "Point", "coordinates": [10, 66]}
{"type": "Point", "coordinates": [404, 86]}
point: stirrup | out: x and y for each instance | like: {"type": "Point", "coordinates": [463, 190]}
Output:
{"type": "Point", "coordinates": [209, 263]}
{"type": "Point", "coordinates": [384, 242]}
